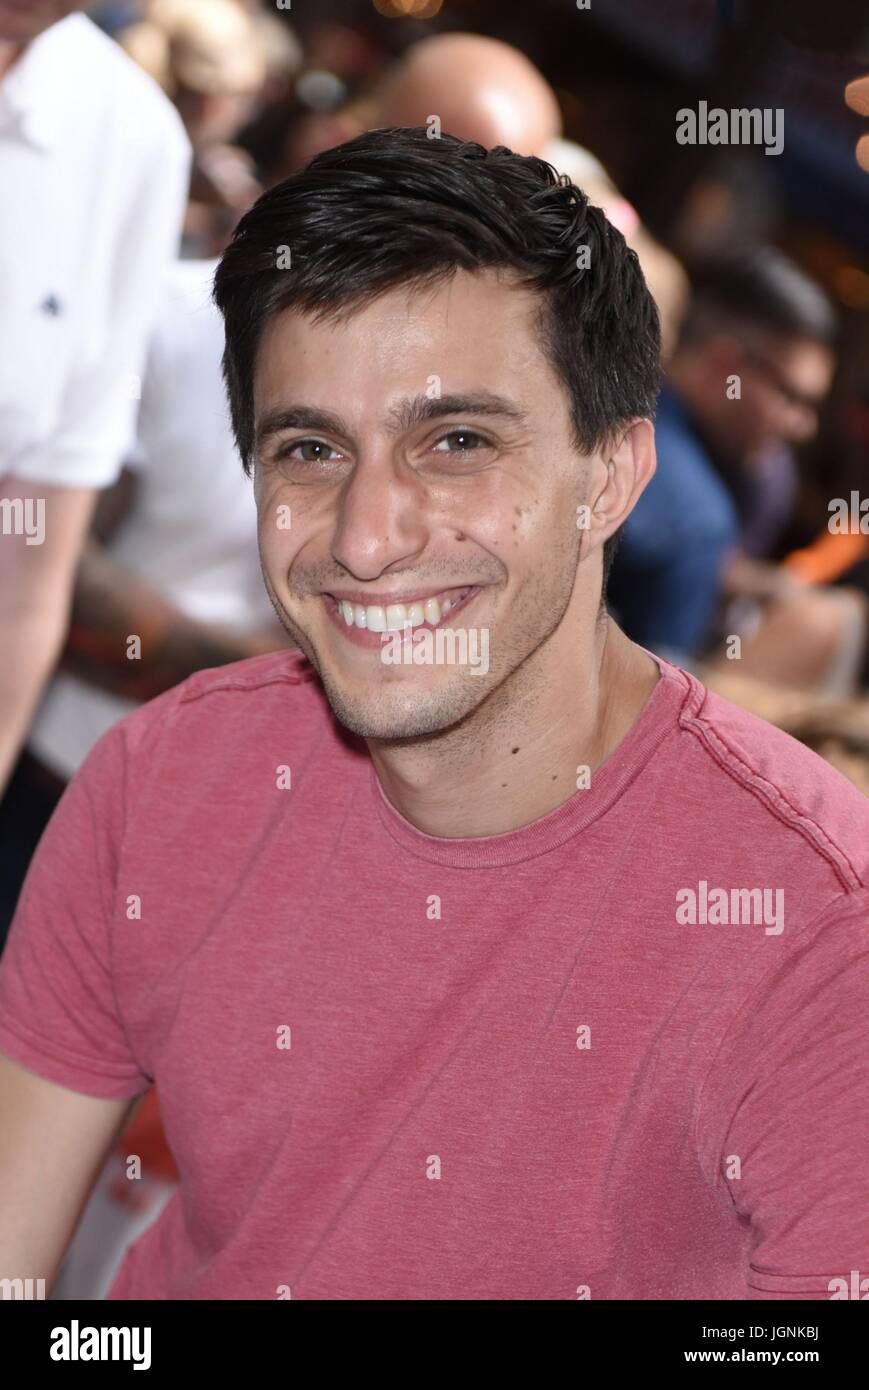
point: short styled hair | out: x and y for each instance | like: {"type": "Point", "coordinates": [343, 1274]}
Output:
{"type": "Point", "coordinates": [394, 207]}
{"type": "Point", "coordinates": [756, 287]}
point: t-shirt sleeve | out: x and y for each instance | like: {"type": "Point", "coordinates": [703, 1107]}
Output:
{"type": "Point", "coordinates": [58, 1011]}
{"type": "Point", "coordinates": [784, 1116]}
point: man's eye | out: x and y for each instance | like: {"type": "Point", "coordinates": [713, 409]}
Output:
{"type": "Point", "coordinates": [465, 441]}
{"type": "Point", "coordinates": [306, 450]}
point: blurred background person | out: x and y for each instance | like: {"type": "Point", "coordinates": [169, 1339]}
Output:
{"type": "Point", "coordinates": [210, 59]}
{"type": "Point", "coordinates": [92, 215]}
{"type": "Point", "coordinates": [752, 369]}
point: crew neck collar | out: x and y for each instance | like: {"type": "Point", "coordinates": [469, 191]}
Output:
{"type": "Point", "coordinates": [657, 720]}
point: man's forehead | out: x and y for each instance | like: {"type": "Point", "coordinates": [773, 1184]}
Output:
{"type": "Point", "coordinates": [448, 303]}
{"type": "Point", "coordinates": [473, 339]}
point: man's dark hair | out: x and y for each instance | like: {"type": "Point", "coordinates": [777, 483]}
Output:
{"type": "Point", "coordinates": [394, 207]}
{"type": "Point", "coordinates": [756, 287]}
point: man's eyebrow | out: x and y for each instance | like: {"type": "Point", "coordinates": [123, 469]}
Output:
{"type": "Point", "coordinates": [415, 410]}
{"type": "Point", "coordinates": [298, 417]}
{"type": "Point", "coordinates": [418, 409]}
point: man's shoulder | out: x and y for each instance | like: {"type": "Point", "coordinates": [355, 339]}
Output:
{"type": "Point", "coordinates": [275, 694]}
{"type": "Point", "coordinates": [253, 677]}
{"type": "Point", "coordinates": [772, 784]}
{"type": "Point", "coordinates": [128, 103]}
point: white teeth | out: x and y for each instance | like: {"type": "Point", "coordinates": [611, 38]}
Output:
{"type": "Point", "coordinates": [397, 616]}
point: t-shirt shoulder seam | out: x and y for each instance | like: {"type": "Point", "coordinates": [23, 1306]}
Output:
{"type": "Point", "coordinates": [197, 690]}
{"type": "Point", "coordinates": [732, 762]}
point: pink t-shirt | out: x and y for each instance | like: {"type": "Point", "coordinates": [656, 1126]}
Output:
{"type": "Point", "coordinates": [569, 1061]}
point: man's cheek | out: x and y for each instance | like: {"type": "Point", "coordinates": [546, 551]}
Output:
{"type": "Point", "coordinates": [278, 553]}
{"type": "Point", "coordinates": [275, 549]}
{"type": "Point", "coordinates": [277, 515]}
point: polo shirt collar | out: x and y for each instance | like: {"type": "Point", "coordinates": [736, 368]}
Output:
{"type": "Point", "coordinates": [34, 93]}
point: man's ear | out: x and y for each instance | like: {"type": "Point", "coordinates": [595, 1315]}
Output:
{"type": "Point", "coordinates": [619, 475]}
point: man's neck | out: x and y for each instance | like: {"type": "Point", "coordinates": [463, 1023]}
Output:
{"type": "Point", "coordinates": [516, 758]}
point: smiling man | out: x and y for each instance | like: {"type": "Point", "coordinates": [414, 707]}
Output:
{"type": "Point", "coordinates": [403, 944]}
{"type": "Point", "coordinates": [443, 467]}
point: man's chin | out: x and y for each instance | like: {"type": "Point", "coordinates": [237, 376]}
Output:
{"type": "Point", "coordinates": [382, 701]}
{"type": "Point", "coordinates": [397, 711]}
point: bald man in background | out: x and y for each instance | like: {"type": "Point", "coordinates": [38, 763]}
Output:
{"type": "Point", "coordinates": [482, 89]}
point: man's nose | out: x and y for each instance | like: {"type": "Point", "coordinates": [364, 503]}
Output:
{"type": "Point", "coordinates": [381, 516]}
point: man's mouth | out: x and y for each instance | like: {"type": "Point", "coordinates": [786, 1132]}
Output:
{"type": "Point", "coordinates": [365, 623]}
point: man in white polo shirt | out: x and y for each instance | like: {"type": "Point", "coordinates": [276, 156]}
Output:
{"type": "Point", "coordinates": [181, 564]}
{"type": "Point", "coordinates": [94, 165]}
